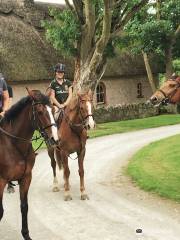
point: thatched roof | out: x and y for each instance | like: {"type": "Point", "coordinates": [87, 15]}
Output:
{"type": "Point", "coordinates": [23, 54]}
{"type": "Point", "coordinates": [126, 64]}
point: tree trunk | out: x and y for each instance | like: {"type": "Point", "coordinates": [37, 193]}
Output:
{"type": "Point", "coordinates": [88, 76]}
{"type": "Point", "coordinates": [168, 60]}
{"type": "Point", "coordinates": [149, 72]}
{"type": "Point", "coordinates": [158, 7]}
{"type": "Point", "coordinates": [77, 70]}
{"type": "Point", "coordinates": [92, 63]}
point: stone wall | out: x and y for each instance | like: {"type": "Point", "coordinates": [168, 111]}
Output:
{"type": "Point", "coordinates": [124, 112]}
{"type": "Point", "coordinates": [132, 111]}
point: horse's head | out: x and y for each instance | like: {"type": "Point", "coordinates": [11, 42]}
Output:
{"type": "Point", "coordinates": [42, 117]}
{"type": "Point", "coordinates": [168, 93]}
{"type": "Point", "coordinates": [85, 108]}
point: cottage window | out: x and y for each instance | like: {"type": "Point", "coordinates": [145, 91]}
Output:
{"type": "Point", "coordinates": [139, 90]}
{"type": "Point", "coordinates": [101, 93]}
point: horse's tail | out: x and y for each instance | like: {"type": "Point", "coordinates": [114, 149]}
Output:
{"type": "Point", "coordinates": [59, 159]}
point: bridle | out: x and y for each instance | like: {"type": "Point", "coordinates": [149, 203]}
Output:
{"type": "Point", "coordinates": [83, 118]}
{"type": "Point", "coordinates": [36, 123]}
{"type": "Point", "coordinates": [167, 97]}
{"type": "Point", "coordinates": [82, 124]}
{"type": "Point", "coordinates": [36, 126]}
{"type": "Point", "coordinates": [77, 128]}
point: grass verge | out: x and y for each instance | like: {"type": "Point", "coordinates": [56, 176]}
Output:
{"type": "Point", "coordinates": [156, 168]}
{"type": "Point", "coordinates": [133, 125]}
{"type": "Point", "coordinates": [129, 125]}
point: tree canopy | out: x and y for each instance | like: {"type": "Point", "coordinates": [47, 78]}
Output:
{"type": "Point", "coordinates": [155, 29]}
{"type": "Point", "coordinates": [88, 30]}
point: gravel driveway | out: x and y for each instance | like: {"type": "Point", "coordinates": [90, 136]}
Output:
{"type": "Point", "coordinates": [116, 207]}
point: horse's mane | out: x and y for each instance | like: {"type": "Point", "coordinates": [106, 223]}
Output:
{"type": "Point", "coordinates": [73, 103]}
{"type": "Point", "coordinates": [13, 112]}
{"type": "Point", "coordinates": [16, 108]}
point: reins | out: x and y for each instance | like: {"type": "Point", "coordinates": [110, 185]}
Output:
{"type": "Point", "coordinates": [76, 127]}
{"type": "Point", "coordinates": [11, 135]}
{"type": "Point", "coordinates": [72, 124]}
{"type": "Point", "coordinates": [19, 138]}
{"type": "Point", "coordinates": [41, 130]}
{"type": "Point", "coordinates": [26, 150]}
{"type": "Point", "coordinates": [59, 149]}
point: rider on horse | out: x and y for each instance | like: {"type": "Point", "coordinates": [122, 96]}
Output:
{"type": "Point", "coordinates": [4, 96]}
{"type": "Point", "coordinates": [60, 88]}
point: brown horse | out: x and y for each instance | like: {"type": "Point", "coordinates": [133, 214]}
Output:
{"type": "Point", "coordinates": [168, 93]}
{"type": "Point", "coordinates": [16, 153]}
{"type": "Point", "coordinates": [73, 134]}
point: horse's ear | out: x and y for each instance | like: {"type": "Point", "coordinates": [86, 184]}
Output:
{"type": "Point", "coordinates": [30, 92]}
{"type": "Point", "coordinates": [48, 92]}
{"type": "Point", "coordinates": [79, 95]}
{"type": "Point", "coordinates": [90, 92]}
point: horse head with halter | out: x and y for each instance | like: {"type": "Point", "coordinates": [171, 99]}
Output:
{"type": "Point", "coordinates": [168, 93]}
{"type": "Point", "coordinates": [85, 109]}
{"type": "Point", "coordinates": [82, 107]}
{"type": "Point", "coordinates": [42, 117]}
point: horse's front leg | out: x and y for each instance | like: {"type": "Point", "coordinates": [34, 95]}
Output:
{"type": "Point", "coordinates": [67, 195]}
{"type": "Point", "coordinates": [2, 186]}
{"type": "Point", "coordinates": [24, 187]}
{"type": "Point", "coordinates": [53, 165]}
{"type": "Point", "coordinates": [81, 155]}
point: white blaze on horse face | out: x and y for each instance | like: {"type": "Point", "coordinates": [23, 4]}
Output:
{"type": "Point", "coordinates": [90, 118]}
{"type": "Point", "coordinates": [53, 127]}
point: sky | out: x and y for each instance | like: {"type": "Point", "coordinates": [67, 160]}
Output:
{"type": "Point", "coordinates": [61, 1]}
{"type": "Point", "coordinates": [51, 1]}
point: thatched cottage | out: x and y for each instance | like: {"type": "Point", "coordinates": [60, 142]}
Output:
{"type": "Point", "coordinates": [27, 59]}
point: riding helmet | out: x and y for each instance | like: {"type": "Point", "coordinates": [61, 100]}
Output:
{"type": "Point", "coordinates": [60, 67]}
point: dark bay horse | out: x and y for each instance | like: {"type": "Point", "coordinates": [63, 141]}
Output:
{"type": "Point", "coordinates": [16, 153]}
{"type": "Point", "coordinates": [168, 93]}
{"type": "Point", "coordinates": [73, 134]}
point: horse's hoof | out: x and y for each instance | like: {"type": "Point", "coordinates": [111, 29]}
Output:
{"type": "Point", "coordinates": [67, 197]}
{"type": "Point", "coordinates": [56, 189]}
{"type": "Point", "coordinates": [26, 237]}
{"type": "Point", "coordinates": [84, 197]}
{"type": "Point", "coordinates": [10, 190]}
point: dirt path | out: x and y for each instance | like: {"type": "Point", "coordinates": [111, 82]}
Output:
{"type": "Point", "coordinates": [116, 208]}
